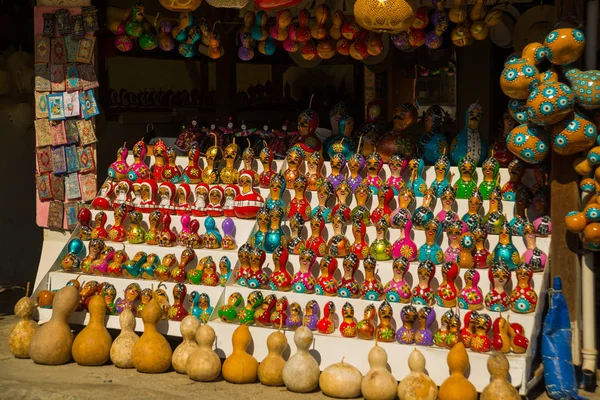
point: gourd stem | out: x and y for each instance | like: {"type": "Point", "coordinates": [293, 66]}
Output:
{"type": "Point", "coordinates": [311, 99]}
{"type": "Point", "coordinates": [216, 139]}
{"type": "Point", "coordinates": [249, 144]}
{"type": "Point", "coordinates": [27, 289]}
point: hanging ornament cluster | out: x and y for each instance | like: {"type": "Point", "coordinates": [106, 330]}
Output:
{"type": "Point", "coordinates": [384, 16]}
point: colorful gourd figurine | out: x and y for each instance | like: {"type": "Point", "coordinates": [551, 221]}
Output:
{"type": "Point", "coordinates": [301, 372]}
{"type": "Point", "coordinates": [425, 317]}
{"type": "Point", "coordinates": [230, 192]}
{"type": "Point", "coordinates": [253, 302]}
{"type": "Point", "coordinates": [505, 251]}
{"type": "Point", "coordinates": [214, 155]}
{"type": "Point", "coordinates": [135, 234]}
{"type": "Point", "coordinates": [99, 232]}
{"type": "Point", "coordinates": [348, 325]}
{"type": "Point", "coordinates": [494, 218]}
{"type": "Point", "coordinates": [166, 194]}
{"type": "Point", "coordinates": [294, 319]}
{"type": "Point", "coordinates": [275, 236]}
{"type": "Point", "coordinates": [240, 367]}
{"type": "Point", "coordinates": [95, 247]}
{"type": "Point", "coordinates": [324, 193]}
{"type": "Point", "coordinates": [212, 238]}
{"type": "Point", "coordinates": [516, 171]}
{"type": "Point", "coordinates": [299, 204]}
{"type": "Point", "coordinates": [177, 311]}
{"type": "Point", "coordinates": [381, 248]}
{"type": "Point", "coordinates": [454, 231]}
{"type": "Point", "coordinates": [311, 315]}
{"type": "Point", "coordinates": [21, 335]}
{"type": "Point", "coordinates": [490, 169]}
{"type": "Point", "coordinates": [229, 311]}
{"type": "Point", "coordinates": [122, 346]}
{"type": "Point", "coordinates": [373, 180]}
{"type": "Point", "coordinates": [360, 247]}
{"type": "Point", "coordinates": [378, 383]}
{"type": "Point", "coordinates": [371, 288]}
{"type": "Point", "coordinates": [241, 275]}
{"type": "Point", "coordinates": [366, 327]}
{"type": "Point", "coordinates": [139, 169]}
{"type": "Point", "coordinates": [397, 290]}
{"type": "Point", "coordinates": [166, 237]}
{"type": "Point", "coordinates": [224, 270]}
{"type": "Point", "coordinates": [263, 220]}
{"type": "Point", "coordinates": [316, 242]}
{"type": "Point", "coordinates": [229, 174]}
{"type": "Point", "coordinates": [188, 327]}
{"type": "Point", "coordinates": [178, 274]}
{"type": "Point", "coordinates": [339, 245]}
{"type": "Point", "coordinates": [153, 223]}
{"type": "Point", "coordinates": [84, 216]}
{"type": "Point", "coordinates": [480, 340]}
{"type": "Point", "coordinates": [480, 252]}
{"type": "Point", "coordinates": [384, 197]}
{"type": "Point", "coordinates": [294, 158]}
{"type": "Point", "coordinates": [326, 324]}
{"type": "Point", "coordinates": [497, 299]}
{"type": "Point", "coordinates": [456, 386]}
{"type": "Point", "coordinates": [439, 337]}
{"type": "Point", "coordinates": [523, 298]}
{"type": "Point", "coordinates": [248, 202]}
{"type": "Point", "coordinates": [465, 256]}
{"type": "Point", "coordinates": [326, 283]}
{"type": "Point", "coordinates": [518, 340]}
{"type": "Point", "coordinates": [417, 385]}
{"type": "Point", "coordinates": [265, 157]}
{"type": "Point", "coordinates": [314, 176]}
{"type": "Point", "coordinates": [396, 141]}
{"type": "Point", "coordinates": [433, 144]}
{"type": "Point", "coordinates": [499, 387]}
{"type": "Point", "coordinates": [341, 193]}
{"type": "Point", "coordinates": [522, 203]}
{"type": "Point", "coordinates": [304, 281]}
{"type": "Point", "coordinates": [469, 142]}
{"type": "Point", "coordinates": [132, 268]}
{"type": "Point", "coordinates": [470, 296]}
{"type": "Point", "coordinates": [102, 201]}
{"type": "Point", "coordinates": [441, 182]}
{"type": "Point", "coordinates": [71, 260]}
{"type": "Point", "coordinates": [337, 175]}
{"type": "Point", "coordinates": [262, 316]}
{"type": "Point", "coordinates": [280, 279]}
{"type": "Point", "coordinates": [210, 277]}
{"type": "Point", "coordinates": [447, 292]}
{"type": "Point", "coordinates": [416, 182]}
{"type": "Point", "coordinates": [192, 173]}
{"type": "Point", "coordinates": [469, 327]}
{"type": "Point", "coordinates": [348, 286]}
{"type": "Point", "coordinates": [405, 334]}
{"type": "Point", "coordinates": [431, 250]}
{"type": "Point", "coordinates": [397, 166]}
{"type": "Point", "coordinates": [279, 314]}
{"type": "Point", "coordinates": [228, 241]}
{"type": "Point", "coordinates": [256, 277]}
{"type": "Point", "coordinates": [533, 256]}
{"type": "Point", "coordinates": [117, 232]}
{"type": "Point", "coordinates": [465, 185]}
{"type": "Point", "coordinates": [356, 163]}
{"type": "Point", "coordinates": [362, 195]}
{"type": "Point", "coordinates": [422, 293]}
{"type": "Point", "coordinates": [296, 243]}
{"type": "Point", "coordinates": [385, 331]}
{"type": "Point", "coordinates": [404, 246]}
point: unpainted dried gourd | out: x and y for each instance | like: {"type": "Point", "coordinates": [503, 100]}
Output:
{"type": "Point", "coordinates": [204, 365]}
{"type": "Point", "coordinates": [188, 327]}
{"type": "Point", "coordinates": [270, 370]}
{"type": "Point", "coordinates": [378, 383]}
{"type": "Point", "coordinates": [152, 352]}
{"type": "Point", "coordinates": [341, 380]}
{"type": "Point", "coordinates": [120, 351]}
{"type": "Point", "coordinates": [240, 367]}
{"type": "Point", "coordinates": [301, 372]}
{"type": "Point", "coordinates": [53, 340]}
{"type": "Point", "coordinates": [92, 346]}
{"type": "Point", "coordinates": [456, 386]}
{"type": "Point", "coordinates": [499, 388]}
{"type": "Point", "coordinates": [417, 385]}
{"type": "Point", "coordinates": [21, 335]}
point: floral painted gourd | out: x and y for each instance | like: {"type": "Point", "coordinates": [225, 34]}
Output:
{"type": "Point", "coordinates": [470, 296]}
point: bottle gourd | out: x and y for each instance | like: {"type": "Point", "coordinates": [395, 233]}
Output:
{"type": "Point", "coordinates": [92, 346]}
{"type": "Point", "coordinates": [120, 351]}
{"type": "Point", "coordinates": [417, 385]}
{"type": "Point", "coordinates": [378, 383]}
{"type": "Point", "coordinates": [301, 371]}
{"type": "Point", "coordinates": [270, 370]}
{"type": "Point", "coordinates": [188, 327]}
{"type": "Point", "coordinates": [240, 367]}
{"type": "Point", "coordinates": [499, 388]}
{"type": "Point", "coordinates": [204, 365]}
{"type": "Point", "coordinates": [20, 337]}
{"type": "Point", "coordinates": [456, 386]}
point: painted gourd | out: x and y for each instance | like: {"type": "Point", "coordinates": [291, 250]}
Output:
{"type": "Point", "coordinates": [188, 327]}
{"type": "Point", "coordinates": [378, 383]}
{"type": "Point", "coordinates": [341, 380]}
{"type": "Point", "coordinates": [520, 75]}
{"type": "Point", "coordinates": [152, 352]}
{"type": "Point", "coordinates": [564, 46]}
{"type": "Point", "coordinates": [270, 370]}
{"type": "Point", "coordinates": [53, 340]}
{"type": "Point", "coordinates": [301, 371]}
{"type": "Point", "coordinates": [120, 351]}
{"type": "Point", "coordinates": [456, 386]}
{"type": "Point", "coordinates": [21, 335]}
{"type": "Point", "coordinates": [549, 103]}
{"type": "Point", "coordinates": [92, 345]}
{"type": "Point", "coordinates": [499, 388]}
{"type": "Point", "coordinates": [204, 365]}
{"type": "Point", "coordinates": [573, 134]}
{"type": "Point", "coordinates": [240, 367]}
{"type": "Point", "coordinates": [528, 142]}
{"type": "Point", "coordinates": [417, 385]}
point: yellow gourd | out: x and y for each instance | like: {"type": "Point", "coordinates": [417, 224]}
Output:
{"type": "Point", "coordinates": [499, 388]}
{"type": "Point", "coordinates": [21, 335]}
{"type": "Point", "coordinates": [151, 353]}
{"type": "Point", "coordinates": [301, 371]}
{"type": "Point", "coordinates": [417, 385]}
{"type": "Point", "coordinates": [477, 13]}
{"type": "Point", "coordinates": [458, 13]}
{"type": "Point", "coordinates": [456, 386]}
{"type": "Point", "coordinates": [92, 346]}
{"type": "Point", "coordinates": [53, 340]}
{"type": "Point", "coordinates": [204, 365]}
{"type": "Point", "coordinates": [188, 327]}
{"type": "Point", "coordinates": [120, 351]}
{"type": "Point", "coordinates": [378, 383]}
{"type": "Point", "coordinates": [341, 380]}
{"type": "Point", "coordinates": [240, 367]}
{"type": "Point", "coordinates": [270, 370]}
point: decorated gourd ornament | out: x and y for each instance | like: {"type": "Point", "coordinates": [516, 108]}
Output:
{"type": "Point", "coordinates": [326, 283]}
{"type": "Point", "coordinates": [405, 333]}
{"type": "Point", "coordinates": [152, 352]}
{"type": "Point", "coordinates": [203, 364]}
{"type": "Point", "coordinates": [348, 286]}
{"type": "Point", "coordinates": [384, 332]}
{"type": "Point", "coordinates": [447, 292]}
{"type": "Point", "coordinates": [480, 252]}
{"type": "Point", "coordinates": [118, 169]}
{"type": "Point", "coordinates": [381, 248]}
{"type": "Point", "coordinates": [505, 250]}
{"type": "Point", "coordinates": [447, 215]}
{"type": "Point", "coordinates": [371, 288]}
{"type": "Point", "coordinates": [549, 103]}
{"type": "Point", "coordinates": [454, 231]}
{"type": "Point", "coordinates": [52, 342]}
{"type": "Point", "coordinates": [494, 219]}
{"type": "Point", "coordinates": [433, 143]}
{"type": "Point", "coordinates": [314, 176]}
{"type": "Point", "coordinates": [270, 369]}
{"type": "Point", "coordinates": [520, 75]}
{"type": "Point", "coordinates": [92, 345]}
{"type": "Point", "coordinates": [299, 204]}
{"type": "Point", "coordinates": [516, 171]}
{"type": "Point", "coordinates": [240, 367]}
{"type": "Point", "coordinates": [500, 338]}
{"type": "Point", "coordinates": [523, 298]}
{"type": "Point", "coordinates": [304, 281]}
{"type": "Point", "coordinates": [465, 185]}
{"type": "Point", "coordinates": [301, 372]}
{"type": "Point", "coordinates": [423, 335]}
{"type": "Point", "coordinates": [470, 296]}
{"type": "Point", "coordinates": [480, 340]}
{"type": "Point", "coordinates": [308, 120]}
{"type": "Point", "coordinates": [533, 256]}
{"type": "Point", "coordinates": [417, 385]}
{"type": "Point", "coordinates": [564, 45]}
{"type": "Point", "coordinates": [253, 302]}
{"type": "Point", "coordinates": [469, 141]}
{"type": "Point", "coordinates": [585, 85]}
{"type": "Point", "coordinates": [122, 346]}
{"type": "Point", "coordinates": [262, 316]}
{"type": "Point", "coordinates": [456, 386]}
{"type": "Point", "coordinates": [326, 325]}
{"type": "Point", "coordinates": [397, 290]}
{"type": "Point", "coordinates": [342, 142]}
{"type": "Point", "coordinates": [497, 299]}
{"type": "Point", "coordinates": [311, 314]}
{"type": "Point", "coordinates": [366, 327]}
{"type": "Point", "coordinates": [341, 380]}
{"type": "Point", "coordinates": [396, 141]}
{"type": "Point", "coordinates": [490, 169]}
{"type": "Point", "coordinates": [21, 335]}
{"type": "Point", "coordinates": [348, 325]}
{"type": "Point", "coordinates": [188, 327]}
{"type": "Point", "coordinates": [499, 387]}
{"type": "Point", "coordinates": [431, 250]}
{"type": "Point", "coordinates": [574, 134]}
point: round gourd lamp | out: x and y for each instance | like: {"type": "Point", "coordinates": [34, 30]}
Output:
{"type": "Point", "coordinates": [181, 5]}
{"type": "Point", "coordinates": [385, 16]}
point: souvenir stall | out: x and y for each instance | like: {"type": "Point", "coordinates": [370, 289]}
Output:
{"type": "Point", "coordinates": [364, 243]}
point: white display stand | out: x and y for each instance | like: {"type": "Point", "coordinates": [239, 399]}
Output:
{"type": "Point", "coordinates": [329, 349]}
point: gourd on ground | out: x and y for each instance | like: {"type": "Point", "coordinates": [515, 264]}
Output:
{"type": "Point", "coordinates": [270, 370]}
{"type": "Point", "coordinates": [204, 365]}
{"type": "Point", "coordinates": [240, 367]}
{"type": "Point", "coordinates": [120, 351]}
{"type": "Point", "coordinates": [188, 327]}
{"type": "Point", "coordinates": [378, 383]}
{"type": "Point", "coordinates": [456, 386]}
{"type": "Point", "coordinates": [341, 380]}
{"type": "Point", "coordinates": [20, 336]}
{"type": "Point", "coordinates": [53, 340]}
{"type": "Point", "coordinates": [417, 385]}
{"type": "Point", "coordinates": [499, 388]}
{"type": "Point", "coordinates": [301, 372]}
{"type": "Point", "coordinates": [92, 346]}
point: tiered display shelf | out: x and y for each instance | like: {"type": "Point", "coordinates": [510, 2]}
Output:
{"type": "Point", "coordinates": [329, 349]}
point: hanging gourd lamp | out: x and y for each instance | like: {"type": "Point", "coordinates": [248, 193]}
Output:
{"type": "Point", "coordinates": [385, 16]}
{"type": "Point", "coordinates": [181, 5]}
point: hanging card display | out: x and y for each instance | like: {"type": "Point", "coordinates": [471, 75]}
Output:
{"type": "Point", "coordinates": [42, 133]}
{"type": "Point", "coordinates": [42, 49]}
{"type": "Point", "coordinates": [71, 46]}
{"type": "Point", "coordinates": [85, 51]}
{"type": "Point", "coordinates": [87, 76]}
{"type": "Point", "coordinates": [55, 215]}
{"type": "Point", "coordinates": [42, 182]}
{"type": "Point", "coordinates": [88, 186]}
{"type": "Point", "coordinates": [58, 52]}
{"type": "Point", "coordinates": [58, 160]}
{"type": "Point", "coordinates": [49, 24]}
{"type": "Point", "coordinates": [77, 30]}
{"type": "Point", "coordinates": [44, 159]}
{"type": "Point", "coordinates": [42, 78]}
{"type": "Point", "coordinates": [71, 210]}
{"type": "Point", "coordinates": [63, 22]}
{"type": "Point", "coordinates": [89, 107]}
{"type": "Point", "coordinates": [87, 133]}
{"type": "Point", "coordinates": [72, 108]}
{"type": "Point", "coordinates": [41, 104]}
{"type": "Point", "coordinates": [57, 77]}
{"type": "Point", "coordinates": [56, 107]}
{"type": "Point", "coordinates": [59, 135]}
{"type": "Point", "coordinates": [71, 131]}
{"type": "Point", "coordinates": [72, 78]}
{"type": "Point", "coordinates": [86, 158]}
{"type": "Point", "coordinates": [58, 187]}
{"type": "Point", "coordinates": [72, 158]}
{"type": "Point", "coordinates": [72, 189]}
{"type": "Point", "coordinates": [90, 19]}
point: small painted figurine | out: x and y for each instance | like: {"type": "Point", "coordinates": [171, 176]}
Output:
{"type": "Point", "coordinates": [469, 142]}
{"type": "Point", "coordinates": [95, 247]}
{"type": "Point", "coordinates": [518, 340]}
{"type": "Point", "coordinates": [468, 329]}
{"type": "Point", "coordinates": [341, 193]}
{"type": "Point", "coordinates": [308, 122]}
{"type": "Point", "coordinates": [294, 319]}
{"type": "Point", "coordinates": [371, 287]}
{"type": "Point", "coordinates": [424, 213]}
{"type": "Point", "coordinates": [338, 174]}
{"type": "Point", "coordinates": [316, 242]}
{"type": "Point", "coordinates": [533, 256]}
{"type": "Point", "coordinates": [348, 325]}
{"type": "Point", "coordinates": [214, 155]}
{"type": "Point", "coordinates": [326, 324]}
{"type": "Point", "coordinates": [465, 185]}
{"type": "Point", "coordinates": [266, 159]}
{"type": "Point", "coordinates": [262, 316]}
{"type": "Point", "coordinates": [71, 261]}
{"type": "Point", "coordinates": [356, 164]}
{"type": "Point", "coordinates": [385, 331]}
{"type": "Point", "coordinates": [480, 340]}
{"type": "Point", "coordinates": [177, 312]}
{"type": "Point", "coordinates": [396, 141]}
{"type": "Point", "coordinates": [276, 189]}
{"type": "Point", "coordinates": [123, 194]}
{"type": "Point", "coordinates": [166, 237]}
{"type": "Point", "coordinates": [179, 274]}
{"type": "Point", "coordinates": [166, 194]}
{"type": "Point", "coordinates": [148, 191]}
{"type": "Point", "coordinates": [171, 171]}
{"type": "Point", "coordinates": [256, 277]}
{"type": "Point", "coordinates": [205, 309]}
{"type": "Point", "coordinates": [516, 171]}
{"type": "Point", "coordinates": [117, 232]}
{"type": "Point", "coordinates": [275, 236]}
{"type": "Point", "coordinates": [465, 256]}
{"type": "Point", "coordinates": [374, 165]}
{"type": "Point", "coordinates": [324, 193]}
{"type": "Point", "coordinates": [162, 271]}
{"type": "Point", "coordinates": [135, 234]}
{"type": "Point", "coordinates": [230, 193]}
{"type": "Point", "coordinates": [447, 292]}
{"type": "Point", "coordinates": [139, 169]}
{"type": "Point", "coordinates": [431, 250]}
{"type": "Point", "coordinates": [249, 201]}
{"type": "Point", "coordinates": [505, 250]}
{"type": "Point", "coordinates": [311, 315]}
{"type": "Point", "coordinates": [447, 215]}
{"type": "Point", "coordinates": [148, 268]}
{"type": "Point", "coordinates": [425, 317]}
{"type": "Point", "coordinates": [253, 302]}
{"type": "Point", "coordinates": [163, 300]}
{"type": "Point", "coordinates": [494, 218]}
{"type": "Point", "coordinates": [522, 203]}
{"type": "Point", "coordinates": [433, 143]}
{"type": "Point", "coordinates": [248, 157]}
{"type": "Point", "coordinates": [381, 248]}
{"type": "Point", "coordinates": [262, 219]}
{"type": "Point", "coordinates": [456, 229]}
{"type": "Point", "coordinates": [229, 174]}
{"type": "Point", "coordinates": [397, 290]}
{"type": "Point", "coordinates": [229, 312]}
{"type": "Point", "coordinates": [497, 299]}
{"type": "Point", "coordinates": [480, 252]}
{"type": "Point", "coordinates": [102, 201]}
{"type": "Point", "coordinates": [212, 238]}
{"type": "Point", "coordinates": [362, 195]}
{"type": "Point", "coordinates": [422, 293]}
{"type": "Point", "coordinates": [473, 217]}
{"type": "Point", "coordinates": [199, 208]}
{"type": "Point", "coordinates": [500, 337]}
{"type": "Point", "coordinates": [405, 334]}
{"type": "Point", "coordinates": [384, 197]}
{"type": "Point", "coordinates": [279, 314]}
{"type": "Point", "coordinates": [326, 283]}
{"type": "Point", "coordinates": [153, 222]}
{"type": "Point", "coordinates": [304, 281]}
{"type": "Point", "coordinates": [84, 216]}
{"type": "Point", "coordinates": [228, 241]}
{"type": "Point", "coordinates": [296, 243]}
{"type": "Point", "coordinates": [416, 182]}
{"type": "Point", "coordinates": [299, 204]}
{"type": "Point", "coordinates": [441, 182]}
{"type": "Point", "coordinates": [366, 326]}
{"type": "Point", "coordinates": [470, 296]}
{"type": "Point", "coordinates": [523, 298]}
{"type": "Point", "coordinates": [210, 276]}
{"type": "Point", "coordinates": [184, 233]}
{"type": "Point", "coordinates": [224, 270]}
{"type": "Point", "coordinates": [145, 297]}
{"type": "Point", "coordinates": [136, 196]}
{"type": "Point", "coordinates": [294, 158]}
{"type": "Point", "coordinates": [192, 173]}
{"type": "Point", "coordinates": [280, 279]}
{"type": "Point", "coordinates": [159, 151]}
{"type": "Point", "coordinates": [360, 247]}
{"type": "Point", "coordinates": [348, 286]}
{"type": "Point", "coordinates": [490, 169]}
{"type": "Point", "coordinates": [339, 245]}
{"type": "Point", "coordinates": [241, 275]}
{"type": "Point", "coordinates": [131, 295]}
{"type": "Point", "coordinates": [314, 176]}
{"type": "Point", "coordinates": [115, 266]}
{"type": "Point", "coordinates": [132, 268]}
{"type": "Point", "coordinates": [404, 246]}
{"type": "Point", "coordinates": [341, 142]}
{"type": "Point", "coordinates": [397, 165]}
{"type": "Point", "coordinates": [100, 265]}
